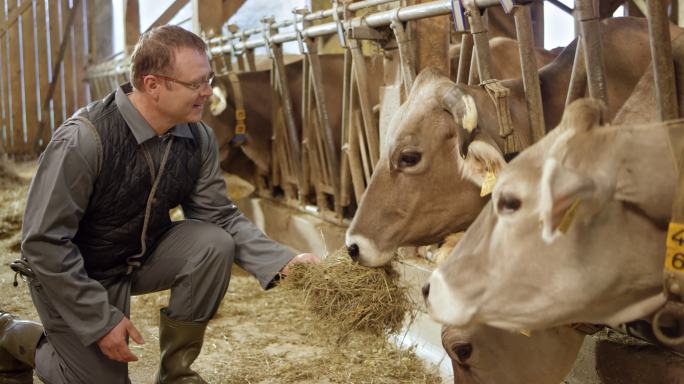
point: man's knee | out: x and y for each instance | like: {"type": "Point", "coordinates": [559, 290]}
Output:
{"type": "Point", "coordinates": [219, 247]}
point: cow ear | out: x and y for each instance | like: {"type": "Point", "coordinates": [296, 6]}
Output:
{"type": "Point", "coordinates": [483, 157]}
{"type": "Point", "coordinates": [562, 191]}
{"type": "Point", "coordinates": [217, 101]}
{"type": "Point", "coordinates": [584, 114]}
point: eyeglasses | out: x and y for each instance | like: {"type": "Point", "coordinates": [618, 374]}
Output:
{"type": "Point", "coordinates": [191, 86]}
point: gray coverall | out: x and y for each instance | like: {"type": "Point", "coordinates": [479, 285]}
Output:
{"type": "Point", "coordinates": [193, 258]}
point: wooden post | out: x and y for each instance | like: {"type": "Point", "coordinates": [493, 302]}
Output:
{"type": "Point", "coordinates": [30, 75]}
{"type": "Point", "coordinates": [5, 114]}
{"type": "Point", "coordinates": [43, 70]}
{"type": "Point", "coordinates": [131, 24]}
{"type": "Point", "coordinates": [530, 74]}
{"type": "Point", "coordinates": [481, 41]}
{"type": "Point", "coordinates": [55, 41]}
{"type": "Point", "coordinates": [464, 58]}
{"type": "Point", "coordinates": [17, 111]}
{"type": "Point", "coordinates": [207, 17]}
{"type": "Point", "coordinates": [81, 60]}
{"type": "Point", "coordinates": [661, 53]}
{"type": "Point", "coordinates": [69, 85]}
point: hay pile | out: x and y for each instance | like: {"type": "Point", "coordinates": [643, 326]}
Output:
{"type": "Point", "coordinates": [350, 297]}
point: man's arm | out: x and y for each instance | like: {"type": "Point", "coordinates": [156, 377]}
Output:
{"type": "Point", "coordinates": [57, 201]}
{"type": "Point", "coordinates": [255, 252]}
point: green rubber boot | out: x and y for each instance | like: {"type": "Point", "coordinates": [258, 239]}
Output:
{"type": "Point", "coordinates": [18, 342]}
{"type": "Point", "coordinates": [180, 342]}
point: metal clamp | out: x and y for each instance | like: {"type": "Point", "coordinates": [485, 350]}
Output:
{"type": "Point", "coordinates": [457, 13]}
{"type": "Point", "coordinates": [266, 34]}
{"type": "Point", "coordinates": [674, 312]}
{"type": "Point", "coordinates": [298, 31]}
{"type": "Point", "coordinates": [338, 22]}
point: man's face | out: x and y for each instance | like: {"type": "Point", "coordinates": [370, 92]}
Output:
{"type": "Point", "coordinates": [179, 102]}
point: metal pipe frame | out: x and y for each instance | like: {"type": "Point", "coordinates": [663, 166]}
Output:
{"type": "Point", "coordinates": [374, 20]}
{"type": "Point", "coordinates": [663, 66]}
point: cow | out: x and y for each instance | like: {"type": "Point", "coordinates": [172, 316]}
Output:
{"type": "Point", "coordinates": [504, 58]}
{"type": "Point", "coordinates": [526, 262]}
{"type": "Point", "coordinates": [422, 189]}
{"type": "Point", "coordinates": [487, 355]}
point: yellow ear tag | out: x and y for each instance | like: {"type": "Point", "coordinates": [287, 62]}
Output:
{"type": "Point", "coordinates": [674, 256]}
{"type": "Point", "coordinates": [488, 184]}
{"type": "Point", "coordinates": [568, 217]}
{"type": "Point", "coordinates": [525, 332]}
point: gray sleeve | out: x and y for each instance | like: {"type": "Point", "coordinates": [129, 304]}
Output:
{"type": "Point", "coordinates": [57, 200]}
{"type": "Point", "coordinates": [255, 252]}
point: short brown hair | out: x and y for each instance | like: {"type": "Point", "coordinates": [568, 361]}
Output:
{"type": "Point", "coordinates": [154, 52]}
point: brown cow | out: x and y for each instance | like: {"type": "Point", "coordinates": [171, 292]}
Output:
{"type": "Point", "coordinates": [603, 266]}
{"type": "Point", "coordinates": [423, 190]}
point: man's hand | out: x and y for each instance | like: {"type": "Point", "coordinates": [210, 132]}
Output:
{"type": "Point", "coordinates": [301, 259]}
{"type": "Point", "coordinates": [113, 344]}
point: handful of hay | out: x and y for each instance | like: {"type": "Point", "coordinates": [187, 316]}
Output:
{"type": "Point", "coordinates": [351, 297]}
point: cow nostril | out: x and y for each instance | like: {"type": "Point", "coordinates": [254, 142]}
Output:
{"type": "Point", "coordinates": [426, 290]}
{"type": "Point", "coordinates": [353, 251]}
{"type": "Point", "coordinates": [463, 352]}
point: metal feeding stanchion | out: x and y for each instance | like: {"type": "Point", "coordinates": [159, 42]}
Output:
{"type": "Point", "coordinates": [587, 15]}
{"type": "Point", "coordinates": [292, 155]}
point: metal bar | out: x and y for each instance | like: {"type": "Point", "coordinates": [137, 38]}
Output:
{"type": "Point", "coordinates": [530, 74]}
{"type": "Point", "coordinates": [663, 66]}
{"type": "Point", "coordinates": [407, 63]}
{"type": "Point", "coordinates": [369, 125]}
{"type": "Point", "coordinates": [464, 58]}
{"type": "Point", "coordinates": [481, 40]}
{"type": "Point", "coordinates": [320, 15]}
{"type": "Point", "coordinates": [590, 34]}
{"type": "Point", "coordinates": [578, 77]}
{"type": "Point", "coordinates": [332, 165]}
{"type": "Point", "coordinates": [379, 19]}
{"type": "Point", "coordinates": [561, 6]}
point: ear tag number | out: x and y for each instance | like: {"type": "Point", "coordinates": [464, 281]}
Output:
{"type": "Point", "coordinates": [674, 257]}
{"type": "Point", "coordinates": [488, 184]}
{"type": "Point", "coordinates": [568, 217]}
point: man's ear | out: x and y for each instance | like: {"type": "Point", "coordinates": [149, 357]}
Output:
{"type": "Point", "coordinates": [483, 157]}
{"type": "Point", "coordinates": [561, 192]}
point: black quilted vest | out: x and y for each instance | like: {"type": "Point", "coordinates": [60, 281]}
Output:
{"type": "Point", "coordinates": [110, 234]}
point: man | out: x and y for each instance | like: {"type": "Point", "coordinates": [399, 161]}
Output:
{"type": "Point", "coordinates": [97, 228]}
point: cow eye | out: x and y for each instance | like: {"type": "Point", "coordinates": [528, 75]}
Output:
{"type": "Point", "coordinates": [508, 204]}
{"type": "Point", "coordinates": [409, 159]}
{"type": "Point", "coordinates": [463, 352]}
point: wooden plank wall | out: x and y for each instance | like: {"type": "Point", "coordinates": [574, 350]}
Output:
{"type": "Point", "coordinates": [31, 33]}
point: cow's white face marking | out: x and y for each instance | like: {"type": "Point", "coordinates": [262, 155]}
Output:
{"type": "Point", "coordinates": [444, 306]}
{"type": "Point", "coordinates": [469, 120]}
{"type": "Point", "coordinates": [217, 101]}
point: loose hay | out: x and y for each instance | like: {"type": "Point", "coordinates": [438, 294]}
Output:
{"type": "Point", "coordinates": [351, 297]}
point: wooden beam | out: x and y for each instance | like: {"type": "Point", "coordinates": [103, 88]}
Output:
{"type": "Point", "coordinates": [13, 16]}
{"type": "Point", "coordinates": [57, 65]}
{"type": "Point", "coordinates": [68, 57]}
{"type": "Point", "coordinates": [168, 14]}
{"type": "Point", "coordinates": [205, 18]}
{"type": "Point", "coordinates": [30, 76]}
{"type": "Point", "coordinates": [80, 33]}
{"type": "Point", "coordinates": [230, 7]}
{"type": "Point", "coordinates": [5, 132]}
{"type": "Point", "coordinates": [131, 23]}
{"type": "Point", "coordinates": [55, 35]}
{"type": "Point", "coordinates": [43, 70]}
{"type": "Point", "coordinates": [17, 110]}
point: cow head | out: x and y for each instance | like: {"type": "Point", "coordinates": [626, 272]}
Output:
{"type": "Point", "coordinates": [427, 181]}
{"type": "Point", "coordinates": [528, 261]}
{"type": "Point", "coordinates": [484, 355]}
